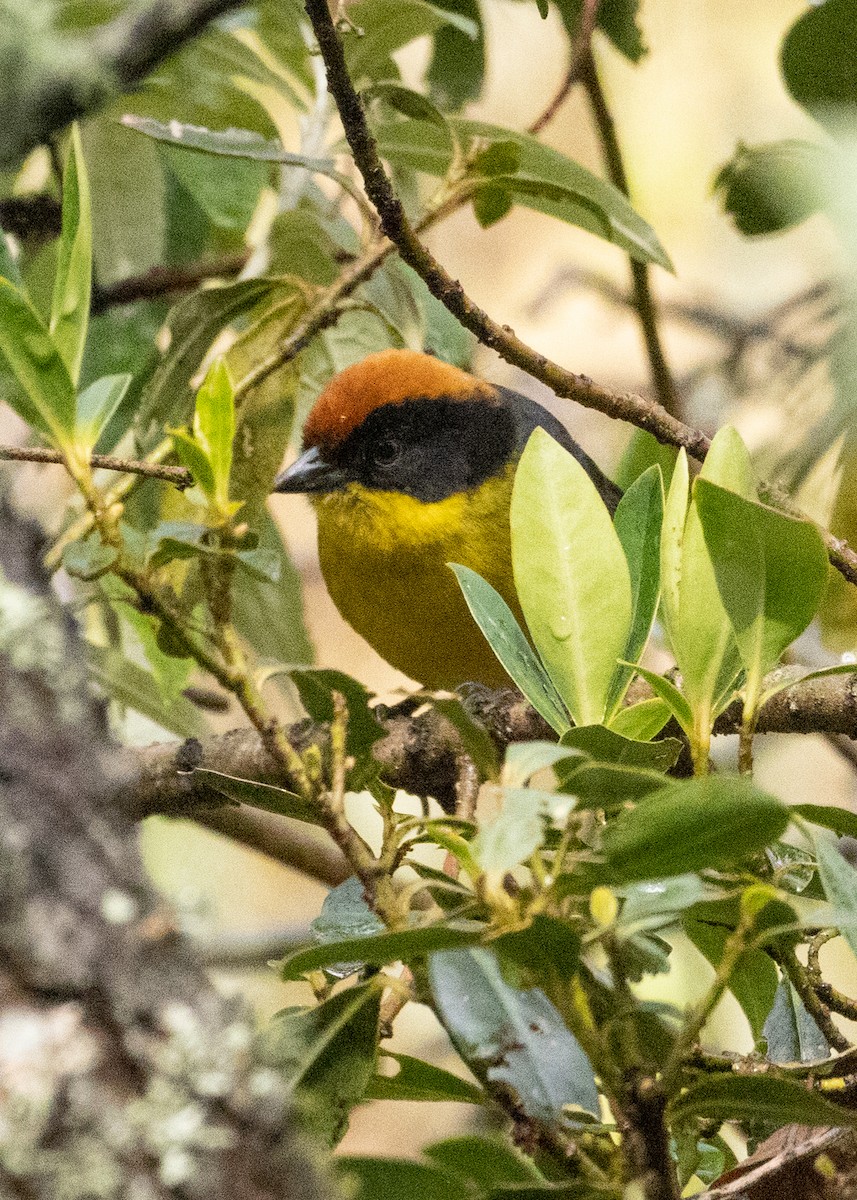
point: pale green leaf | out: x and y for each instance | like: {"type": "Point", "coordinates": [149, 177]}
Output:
{"type": "Point", "coordinates": [73, 281]}
{"type": "Point", "coordinates": [46, 399]}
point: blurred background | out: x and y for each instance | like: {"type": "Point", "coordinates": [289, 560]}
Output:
{"type": "Point", "coordinates": [739, 320]}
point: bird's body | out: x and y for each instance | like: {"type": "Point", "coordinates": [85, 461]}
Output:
{"type": "Point", "coordinates": [410, 463]}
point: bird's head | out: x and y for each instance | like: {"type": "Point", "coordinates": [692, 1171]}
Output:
{"type": "Point", "coordinates": [406, 423]}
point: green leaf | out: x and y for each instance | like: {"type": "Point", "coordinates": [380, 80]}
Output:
{"type": "Point", "coordinates": [371, 1178]}
{"type": "Point", "coordinates": [773, 187]}
{"type": "Point", "coordinates": [839, 880]}
{"type": "Point", "coordinates": [385, 28]}
{"type": "Point", "coordinates": [485, 1162]}
{"type": "Point", "coordinates": [610, 785]}
{"type": "Point", "coordinates": [607, 746]}
{"type": "Point", "coordinates": [668, 694]}
{"type": "Point", "coordinates": [407, 102]}
{"type": "Point", "coordinates": [641, 721]}
{"type": "Point", "coordinates": [637, 521]}
{"type": "Point", "coordinates": [134, 687]}
{"type": "Point", "coordinates": [401, 946]}
{"type": "Point", "coordinates": [617, 19]}
{"type": "Point", "coordinates": [260, 795]}
{"type": "Point", "coordinates": [544, 8]}
{"type": "Point", "coordinates": [491, 203]}
{"type": "Point", "coordinates": [758, 1098]}
{"type": "Point", "coordinates": [818, 55]}
{"type": "Point", "coordinates": [840, 820]}
{"type": "Point", "coordinates": [753, 981]}
{"type": "Point", "coordinates": [46, 400]}
{"type": "Point", "coordinates": [192, 456]}
{"type": "Point", "coordinates": [73, 281]}
{"type": "Point", "coordinates": [418, 1080]}
{"type": "Point", "coordinates": [214, 426]}
{"type": "Point", "coordinates": [457, 68]}
{"type": "Point", "coordinates": [96, 405]}
{"type": "Point", "coordinates": [225, 143]}
{"type": "Point", "coordinates": [771, 572]}
{"type": "Point", "coordinates": [571, 575]}
{"type": "Point", "coordinates": [546, 181]}
{"type": "Point", "coordinates": [505, 637]}
{"type": "Point", "coordinates": [672, 535]}
{"type": "Point", "coordinates": [698, 824]}
{"type": "Point", "coordinates": [515, 1039]}
{"type": "Point", "coordinates": [327, 1054]}
{"type": "Point", "coordinates": [270, 614]}
{"type": "Point", "coordinates": [316, 688]}
{"type": "Point", "coordinates": [791, 1033]}
{"type": "Point", "coordinates": [476, 741]}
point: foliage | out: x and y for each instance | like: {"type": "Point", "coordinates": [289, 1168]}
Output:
{"type": "Point", "coordinates": [530, 943]}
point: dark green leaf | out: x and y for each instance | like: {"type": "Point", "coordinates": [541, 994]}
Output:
{"type": "Point", "coordinates": [491, 203]}
{"type": "Point", "coordinates": [701, 823]}
{"type": "Point", "coordinates": [384, 28]}
{"type": "Point", "coordinates": [457, 68]}
{"type": "Point", "coordinates": [407, 102]}
{"type": "Point", "coordinates": [606, 746]}
{"type": "Point", "coordinates": [791, 1033]}
{"type": "Point", "coordinates": [498, 158]}
{"type": "Point", "coordinates": [316, 688]}
{"type": "Point", "coordinates": [73, 280]}
{"type": "Point", "coordinates": [637, 522]}
{"type": "Point", "coordinates": [544, 8]}
{"type": "Point", "coordinates": [270, 614]}
{"type": "Point", "coordinates": [226, 189]}
{"type": "Point", "coordinates": [401, 946]}
{"type": "Point", "coordinates": [769, 188]}
{"type": "Point", "coordinates": [372, 1178]}
{"type": "Point", "coordinates": [497, 621]}
{"type": "Point", "coordinates": [260, 795]}
{"type": "Point", "coordinates": [547, 948]}
{"type": "Point", "coordinates": [666, 691]}
{"type": "Point", "coordinates": [617, 19]}
{"type": "Point", "coordinates": [483, 1161]}
{"type": "Point", "coordinates": [418, 1080]}
{"type": "Point", "coordinates": [228, 143]}
{"type": "Point", "coordinates": [753, 981]}
{"type": "Point", "coordinates": [758, 1098]}
{"type": "Point", "coordinates": [840, 820]}
{"type": "Point", "coordinates": [819, 54]}
{"type": "Point", "coordinates": [515, 1038]}
{"type": "Point", "coordinates": [608, 785]}
{"type": "Point", "coordinates": [328, 1055]}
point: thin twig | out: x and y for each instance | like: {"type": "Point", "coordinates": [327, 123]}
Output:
{"type": "Point", "coordinates": [180, 477]}
{"type": "Point", "coordinates": [580, 51]}
{"type": "Point", "coordinates": [165, 281]}
{"type": "Point", "coordinates": [644, 301]}
{"type": "Point", "coordinates": [800, 980]}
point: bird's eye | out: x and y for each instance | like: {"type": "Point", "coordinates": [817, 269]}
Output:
{"type": "Point", "coordinates": [386, 452]}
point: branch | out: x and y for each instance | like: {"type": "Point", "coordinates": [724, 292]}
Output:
{"type": "Point", "coordinates": [644, 301]}
{"type": "Point", "coordinates": [645, 414]}
{"type": "Point", "coordinates": [178, 476]}
{"type": "Point", "coordinates": [580, 52]}
{"type": "Point", "coordinates": [48, 80]}
{"type": "Point", "coordinates": [165, 281]}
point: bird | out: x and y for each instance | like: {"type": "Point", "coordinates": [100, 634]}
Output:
{"type": "Point", "coordinates": [409, 463]}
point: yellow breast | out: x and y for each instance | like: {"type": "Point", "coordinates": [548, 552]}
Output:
{"type": "Point", "coordinates": [384, 556]}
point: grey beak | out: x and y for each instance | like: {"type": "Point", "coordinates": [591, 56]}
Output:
{"type": "Point", "coordinates": [310, 474]}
